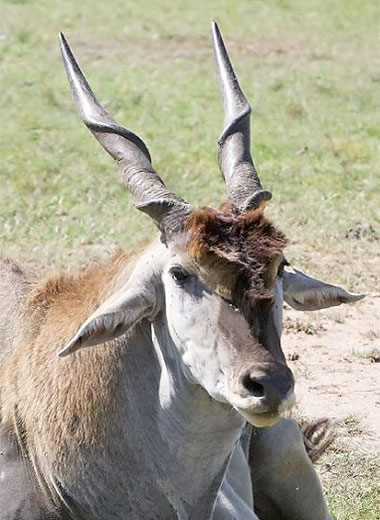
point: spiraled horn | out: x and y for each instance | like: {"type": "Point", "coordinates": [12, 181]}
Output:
{"type": "Point", "coordinates": [235, 161]}
{"type": "Point", "coordinates": [149, 192]}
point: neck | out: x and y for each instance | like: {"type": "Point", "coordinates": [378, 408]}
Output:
{"type": "Point", "coordinates": [196, 434]}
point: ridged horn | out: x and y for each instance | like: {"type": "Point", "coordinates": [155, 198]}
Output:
{"type": "Point", "coordinates": [130, 152]}
{"type": "Point", "coordinates": [235, 161]}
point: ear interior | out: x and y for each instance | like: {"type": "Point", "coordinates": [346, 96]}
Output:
{"type": "Point", "coordinates": [305, 293]}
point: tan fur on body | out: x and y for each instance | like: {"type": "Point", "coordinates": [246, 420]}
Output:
{"type": "Point", "coordinates": [59, 408]}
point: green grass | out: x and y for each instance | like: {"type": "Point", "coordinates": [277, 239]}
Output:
{"type": "Point", "coordinates": [310, 70]}
{"type": "Point", "coordinates": [311, 74]}
{"type": "Point", "coordinates": [351, 475]}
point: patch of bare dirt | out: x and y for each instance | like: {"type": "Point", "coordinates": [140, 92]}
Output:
{"type": "Point", "coordinates": [335, 357]}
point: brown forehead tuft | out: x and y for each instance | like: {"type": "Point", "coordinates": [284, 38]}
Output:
{"type": "Point", "coordinates": [241, 247]}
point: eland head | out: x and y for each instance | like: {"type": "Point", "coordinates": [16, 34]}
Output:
{"type": "Point", "coordinates": [213, 286]}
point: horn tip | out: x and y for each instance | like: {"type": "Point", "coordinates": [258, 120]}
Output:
{"type": "Point", "coordinates": [64, 46]}
{"type": "Point", "coordinates": [62, 39]}
{"type": "Point", "coordinates": [215, 29]}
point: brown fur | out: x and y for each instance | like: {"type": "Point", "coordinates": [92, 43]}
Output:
{"type": "Point", "coordinates": [244, 251]}
{"type": "Point", "coordinates": [49, 401]}
{"type": "Point", "coordinates": [77, 294]}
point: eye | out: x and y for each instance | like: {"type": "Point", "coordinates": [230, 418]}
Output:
{"type": "Point", "coordinates": [280, 270]}
{"type": "Point", "coordinates": [179, 274]}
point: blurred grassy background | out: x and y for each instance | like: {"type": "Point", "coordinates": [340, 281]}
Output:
{"type": "Point", "coordinates": [310, 70]}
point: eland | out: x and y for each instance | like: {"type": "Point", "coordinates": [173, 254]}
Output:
{"type": "Point", "coordinates": [164, 356]}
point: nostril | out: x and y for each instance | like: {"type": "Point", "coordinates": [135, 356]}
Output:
{"type": "Point", "coordinates": [253, 386]}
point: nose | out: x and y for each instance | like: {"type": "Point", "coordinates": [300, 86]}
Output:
{"type": "Point", "coordinates": [270, 385]}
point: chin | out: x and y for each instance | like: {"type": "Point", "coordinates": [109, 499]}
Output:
{"type": "Point", "coordinates": [261, 420]}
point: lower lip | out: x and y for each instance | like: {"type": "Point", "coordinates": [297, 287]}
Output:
{"type": "Point", "coordinates": [261, 420]}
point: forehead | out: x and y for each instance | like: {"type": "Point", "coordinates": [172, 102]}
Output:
{"type": "Point", "coordinates": [226, 249]}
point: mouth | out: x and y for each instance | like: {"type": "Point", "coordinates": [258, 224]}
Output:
{"type": "Point", "coordinates": [260, 416]}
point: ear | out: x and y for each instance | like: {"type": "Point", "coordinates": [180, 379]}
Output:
{"type": "Point", "coordinates": [114, 317]}
{"type": "Point", "coordinates": [304, 293]}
